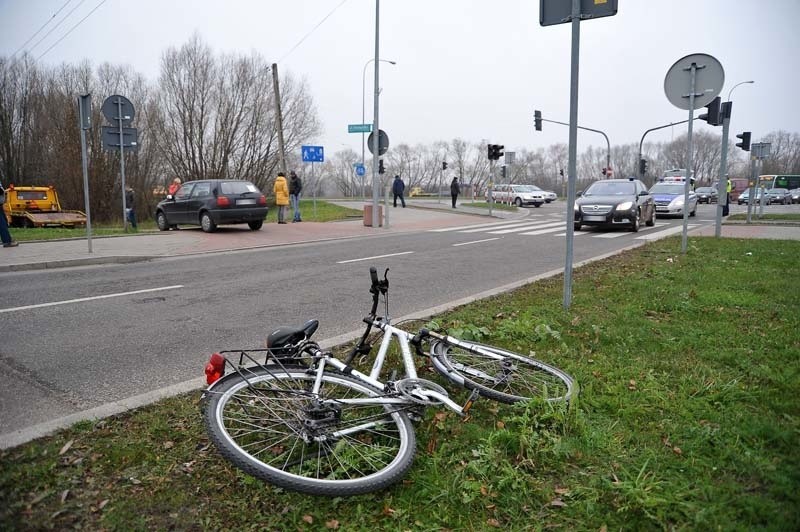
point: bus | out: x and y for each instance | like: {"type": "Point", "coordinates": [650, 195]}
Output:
{"type": "Point", "coordinates": [788, 182]}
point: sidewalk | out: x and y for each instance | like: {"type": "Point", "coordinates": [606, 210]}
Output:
{"type": "Point", "coordinates": [420, 215]}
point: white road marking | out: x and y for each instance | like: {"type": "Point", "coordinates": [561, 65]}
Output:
{"type": "Point", "coordinates": [507, 225]}
{"type": "Point", "coordinates": [476, 241]}
{"type": "Point", "coordinates": [462, 227]}
{"type": "Point", "coordinates": [525, 228]}
{"type": "Point", "coordinates": [82, 299]}
{"type": "Point", "coordinates": [665, 232]}
{"type": "Point", "coordinates": [559, 227]}
{"type": "Point", "coordinates": [375, 257]}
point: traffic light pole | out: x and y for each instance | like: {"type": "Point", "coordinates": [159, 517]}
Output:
{"type": "Point", "coordinates": [722, 184]}
{"type": "Point", "coordinates": [376, 222]}
{"type": "Point", "coordinates": [641, 142]}
{"type": "Point", "coordinates": [573, 148]}
{"type": "Point", "coordinates": [753, 187]}
{"type": "Point", "coordinates": [608, 143]}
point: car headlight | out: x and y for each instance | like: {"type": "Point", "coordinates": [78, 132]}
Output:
{"type": "Point", "coordinates": [626, 206]}
{"type": "Point", "coordinates": [677, 202]}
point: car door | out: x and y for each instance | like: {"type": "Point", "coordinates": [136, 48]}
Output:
{"type": "Point", "coordinates": [645, 200]}
{"type": "Point", "coordinates": [197, 201]}
{"type": "Point", "coordinates": [176, 208]}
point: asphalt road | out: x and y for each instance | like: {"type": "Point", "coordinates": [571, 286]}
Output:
{"type": "Point", "coordinates": [125, 349]}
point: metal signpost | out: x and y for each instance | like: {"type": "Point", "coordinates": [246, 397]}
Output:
{"type": "Point", "coordinates": [119, 111]}
{"type": "Point", "coordinates": [558, 12]}
{"type": "Point", "coordinates": [312, 154]}
{"type": "Point", "coordinates": [722, 183]}
{"type": "Point", "coordinates": [692, 82]}
{"type": "Point", "coordinates": [85, 112]}
{"type": "Point", "coordinates": [759, 151]}
{"type": "Point", "coordinates": [378, 145]}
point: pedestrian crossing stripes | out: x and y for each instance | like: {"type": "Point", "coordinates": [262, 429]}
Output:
{"type": "Point", "coordinates": [556, 228]}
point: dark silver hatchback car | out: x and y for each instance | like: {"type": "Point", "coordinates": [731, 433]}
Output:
{"type": "Point", "coordinates": [213, 202]}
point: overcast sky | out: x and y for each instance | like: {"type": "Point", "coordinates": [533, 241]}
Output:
{"type": "Point", "coordinates": [472, 69]}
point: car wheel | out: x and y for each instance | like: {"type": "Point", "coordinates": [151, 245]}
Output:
{"type": "Point", "coordinates": [537, 205]}
{"type": "Point", "coordinates": [255, 226]}
{"type": "Point", "coordinates": [161, 221]}
{"type": "Point", "coordinates": [518, 202]}
{"type": "Point", "coordinates": [693, 211]}
{"type": "Point", "coordinates": [206, 223]}
{"type": "Point", "coordinates": [636, 222]}
{"type": "Point", "coordinates": [652, 220]}
{"type": "Point", "coordinates": [577, 226]}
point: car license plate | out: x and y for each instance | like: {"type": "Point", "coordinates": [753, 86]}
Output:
{"type": "Point", "coordinates": [594, 218]}
{"type": "Point", "coordinates": [245, 202]}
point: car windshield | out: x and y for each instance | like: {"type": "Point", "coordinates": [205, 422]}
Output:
{"type": "Point", "coordinates": [526, 188]}
{"type": "Point", "coordinates": [237, 187]}
{"type": "Point", "coordinates": [705, 190]}
{"type": "Point", "coordinates": [781, 191]}
{"type": "Point", "coordinates": [609, 188]}
{"type": "Point", "coordinates": [664, 188]}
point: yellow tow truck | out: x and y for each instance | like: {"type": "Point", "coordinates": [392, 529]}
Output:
{"type": "Point", "coordinates": [38, 207]}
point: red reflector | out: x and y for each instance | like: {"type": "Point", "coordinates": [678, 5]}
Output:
{"type": "Point", "coordinates": [262, 200]}
{"type": "Point", "coordinates": [223, 201]}
{"type": "Point", "coordinates": [215, 368]}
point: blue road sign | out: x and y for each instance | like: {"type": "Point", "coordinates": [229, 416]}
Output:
{"type": "Point", "coordinates": [313, 154]}
{"type": "Point", "coordinates": [360, 171]}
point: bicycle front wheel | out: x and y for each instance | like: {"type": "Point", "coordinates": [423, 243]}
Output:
{"type": "Point", "coordinates": [499, 374]}
{"type": "Point", "coordinates": [272, 427]}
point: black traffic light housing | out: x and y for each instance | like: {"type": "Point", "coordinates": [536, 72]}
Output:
{"type": "Point", "coordinates": [381, 169]}
{"type": "Point", "coordinates": [490, 152]}
{"type": "Point", "coordinates": [444, 165]}
{"type": "Point", "coordinates": [712, 115]}
{"type": "Point", "coordinates": [642, 166]}
{"type": "Point", "coordinates": [745, 144]}
{"type": "Point", "coordinates": [603, 170]}
{"type": "Point", "coordinates": [498, 151]}
{"type": "Point", "coordinates": [537, 120]}
{"type": "Point", "coordinates": [503, 171]}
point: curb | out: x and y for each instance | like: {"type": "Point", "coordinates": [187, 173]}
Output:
{"type": "Point", "coordinates": [69, 263]}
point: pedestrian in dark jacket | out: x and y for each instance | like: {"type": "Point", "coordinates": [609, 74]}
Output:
{"type": "Point", "coordinates": [295, 187]}
{"type": "Point", "coordinates": [398, 187]}
{"type": "Point", "coordinates": [455, 190]}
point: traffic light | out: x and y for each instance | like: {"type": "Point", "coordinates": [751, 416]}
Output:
{"type": "Point", "coordinates": [642, 166]}
{"type": "Point", "coordinates": [537, 120]}
{"type": "Point", "coordinates": [603, 171]}
{"type": "Point", "coordinates": [503, 172]}
{"type": "Point", "coordinates": [381, 169]}
{"type": "Point", "coordinates": [498, 151]}
{"type": "Point", "coordinates": [712, 116]}
{"type": "Point", "coordinates": [561, 172]}
{"type": "Point", "coordinates": [490, 152]}
{"type": "Point", "coordinates": [745, 144]}
{"type": "Point", "coordinates": [444, 165]}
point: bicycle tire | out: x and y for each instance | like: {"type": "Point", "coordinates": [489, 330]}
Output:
{"type": "Point", "coordinates": [257, 424]}
{"type": "Point", "coordinates": [508, 379]}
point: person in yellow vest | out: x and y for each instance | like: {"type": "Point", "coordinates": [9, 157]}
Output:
{"type": "Point", "coordinates": [728, 190]}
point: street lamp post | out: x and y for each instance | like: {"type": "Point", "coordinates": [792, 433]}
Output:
{"type": "Point", "coordinates": [722, 183]}
{"type": "Point", "coordinates": [363, 112]}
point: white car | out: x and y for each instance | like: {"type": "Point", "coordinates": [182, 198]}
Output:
{"type": "Point", "coordinates": [519, 195]}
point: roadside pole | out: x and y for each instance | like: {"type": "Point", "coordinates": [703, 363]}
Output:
{"type": "Point", "coordinates": [573, 149]}
{"type": "Point", "coordinates": [376, 222]}
{"type": "Point", "coordinates": [753, 186]}
{"type": "Point", "coordinates": [722, 184]}
{"type": "Point", "coordinates": [85, 110]}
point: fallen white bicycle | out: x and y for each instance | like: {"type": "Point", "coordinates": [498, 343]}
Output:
{"type": "Point", "coordinates": [295, 416]}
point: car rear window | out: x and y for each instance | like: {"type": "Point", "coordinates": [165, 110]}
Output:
{"type": "Point", "coordinates": [31, 195]}
{"type": "Point", "coordinates": [237, 187]}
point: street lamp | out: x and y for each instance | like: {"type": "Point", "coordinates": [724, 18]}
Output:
{"type": "Point", "coordinates": [363, 114]}
{"type": "Point", "coordinates": [740, 83]}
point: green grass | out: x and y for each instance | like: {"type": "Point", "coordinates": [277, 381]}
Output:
{"type": "Point", "coordinates": [324, 212]}
{"type": "Point", "coordinates": [485, 205]}
{"type": "Point", "coordinates": [688, 419]}
{"type": "Point", "coordinates": [784, 217]}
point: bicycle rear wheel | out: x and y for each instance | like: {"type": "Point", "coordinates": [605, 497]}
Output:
{"type": "Point", "coordinates": [273, 428]}
{"type": "Point", "coordinates": [499, 374]}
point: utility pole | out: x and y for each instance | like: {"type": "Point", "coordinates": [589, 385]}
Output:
{"type": "Point", "coordinates": [279, 118]}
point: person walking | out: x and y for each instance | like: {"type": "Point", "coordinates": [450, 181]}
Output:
{"type": "Point", "coordinates": [5, 236]}
{"type": "Point", "coordinates": [174, 186]}
{"type": "Point", "coordinates": [398, 187]}
{"type": "Point", "coordinates": [295, 187]}
{"type": "Point", "coordinates": [281, 196]}
{"type": "Point", "coordinates": [455, 190]}
{"type": "Point", "coordinates": [130, 206]}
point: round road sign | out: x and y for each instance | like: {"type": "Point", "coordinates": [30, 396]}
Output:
{"type": "Point", "coordinates": [383, 142]}
{"type": "Point", "coordinates": [111, 110]}
{"type": "Point", "coordinates": [709, 79]}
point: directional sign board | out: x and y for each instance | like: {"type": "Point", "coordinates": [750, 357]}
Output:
{"type": "Point", "coordinates": [360, 170]}
{"type": "Point", "coordinates": [110, 138]}
{"type": "Point", "coordinates": [313, 154]}
{"type": "Point", "coordinates": [560, 11]}
{"type": "Point", "coordinates": [359, 128]}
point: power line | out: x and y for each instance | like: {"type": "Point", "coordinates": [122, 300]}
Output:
{"type": "Point", "coordinates": [310, 32]}
{"type": "Point", "coordinates": [54, 28]}
{"type": "Point", "coordinates": [40, 29]}
{"type": "Point", "coordinates": [72, 28]}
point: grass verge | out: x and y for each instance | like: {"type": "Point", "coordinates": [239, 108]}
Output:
{"type": "Point", "coordinates": [688, 419]}
{"type": "Point", "coordinates": [770, 217]}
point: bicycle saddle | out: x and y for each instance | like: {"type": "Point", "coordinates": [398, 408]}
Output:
{"type": "Point", "coordinates": [286, 336]}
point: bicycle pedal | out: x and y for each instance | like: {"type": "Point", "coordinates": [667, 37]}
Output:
{"type": "Point", "coordinates": [473, 396]}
